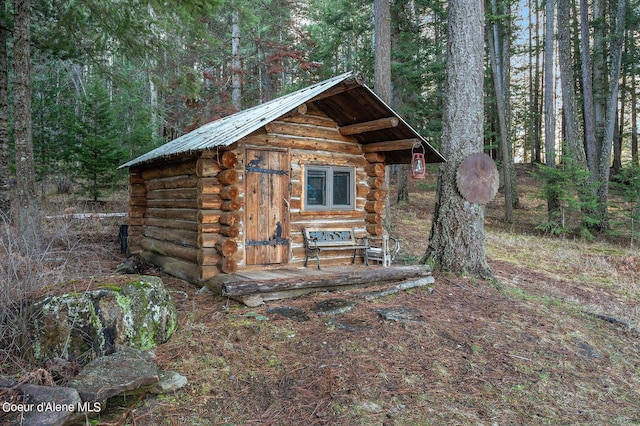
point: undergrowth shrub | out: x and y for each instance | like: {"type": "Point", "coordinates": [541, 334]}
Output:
{"type": "Point", "coordinates": [64, 185]}
{"type": "Point", "coordinates": [570, 187]}
{"type": "Point", "coordinates": [627, 185]}
{"type": "Point", "coordinates": [21, 266]}
{"type": "Point", "coordinates": [27, 264]}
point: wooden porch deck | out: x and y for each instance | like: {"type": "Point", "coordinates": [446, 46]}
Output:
{"type": "Point", "coordinates": [254, 287]}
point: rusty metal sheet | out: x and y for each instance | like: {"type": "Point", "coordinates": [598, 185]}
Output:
{"type": "Point", "coordinates": [477, 178]}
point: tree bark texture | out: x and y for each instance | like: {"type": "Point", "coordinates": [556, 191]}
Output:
{"type": "Point", "coordinates": [553, 204]}
{"type": "Point", "coordinates": [549, 82]}
{"type": "Point", "coordinates": [497, 71]}
{"type": "Point", "coordinates": [574, 133]}
{"type": "Point", "coordinates": [5, 190]}
{"type": "Point", "coordinates": [236, 71]}
{"type": "Point", "coordinates": [604, 164]}
{"type": "Point", "coordinates": [27, 207]}
{"type": "Point", "coordinates": [634, 116]}
{"type": "Point", "coordinates": [403, 184]}
{"type": "Point", "coordinates": [591, 145]}
{"type": "Point", "coordinates": [534, 88]}
{"type": "Point", "coordinates": [382, 44]}
{"type": "Point", "coordinates": [598, 67]}
{"type": "Point", "coordinates": [457, 237]}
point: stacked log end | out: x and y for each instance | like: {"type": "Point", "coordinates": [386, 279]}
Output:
{"type": "Point", "coordinates": [219, 222]}
{"type": "Point", "coordinates": [375, 205]}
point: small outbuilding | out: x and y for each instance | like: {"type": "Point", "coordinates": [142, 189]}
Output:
{"type": "Point", "coordinates": [236, 194]}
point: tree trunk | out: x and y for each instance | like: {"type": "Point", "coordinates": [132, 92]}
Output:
{"type": "Point", "coordinates": [569, 102]}
{"type": "Point", "coordinates": [507, 37]}
{"type": "Point", "coordinates": [634, 115]}
{"type": "Point", "coordinates": [382, 45]}
{"type": "Point", "coordinates": [402, 185]}
{"type": "Point", "coordinates": [599, 83]}
{"type": "Point", "coordinates": [604, 165]}
{"type": "Point", "coordinates": [236, 71]}
{"type": "Point", "coordinates": [616, 167]}
{"type": "Point", "coordinates": [382, 71]}
{"type": "Point", "coordinates": [553, 203]}
{"type": "Point", "coordinates": [5, 189]}
{"type": "Point", "coordinates": [536, 128]}
{"type": "Point", "coordinates": [590, 139]}
{"type": "Point", "coordinates": [27, 205]}
{"type": "Point", "coordinates": [573, 121]}
{"type": "Point", "coordinates": [497, 71]}
{"type": "Point", "coordinates": [457, 237]}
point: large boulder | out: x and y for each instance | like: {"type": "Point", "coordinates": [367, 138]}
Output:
{"type": "Point", "coordinates": [136, 311]}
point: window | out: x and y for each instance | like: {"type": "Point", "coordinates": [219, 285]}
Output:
{"type": "Point", "coordinates": [329, 188]}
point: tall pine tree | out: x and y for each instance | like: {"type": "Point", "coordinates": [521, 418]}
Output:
{"type": "Point", "coordinates": [98, 147]}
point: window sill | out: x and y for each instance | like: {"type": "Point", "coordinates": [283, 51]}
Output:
{"type": "Point", "coordinates": [327, 212]}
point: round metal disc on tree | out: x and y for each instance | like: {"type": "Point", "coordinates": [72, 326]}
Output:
{"type": "Point", "coordinates": [477, 178]}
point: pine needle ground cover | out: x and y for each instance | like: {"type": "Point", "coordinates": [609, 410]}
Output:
{"type": "Point", "coordinates": [554, 340]}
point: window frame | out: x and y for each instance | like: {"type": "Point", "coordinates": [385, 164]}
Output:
{"type": "Point", "coordinates": [329, 190]}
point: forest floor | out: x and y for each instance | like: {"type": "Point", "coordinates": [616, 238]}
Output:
{"type": "Point", "coordinates": [554, 340]}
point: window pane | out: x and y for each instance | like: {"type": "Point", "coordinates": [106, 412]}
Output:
{"type": "Point", "coordinates": [316, 187]}
{"type": "Point", "coordinates": [341, 188]}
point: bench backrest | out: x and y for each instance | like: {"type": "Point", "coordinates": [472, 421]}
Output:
{"type": "Point", "coordinates": [330, 237]}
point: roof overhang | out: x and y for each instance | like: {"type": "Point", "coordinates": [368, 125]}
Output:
{"type": "Point", "coordinates": [360, 113]}
{"type": "Point", "coordinates": [356, 109]}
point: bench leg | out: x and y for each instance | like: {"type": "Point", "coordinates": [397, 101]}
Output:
{"type": "Point", "coordinates": [366, 257]}
{"type": "Point", "coordinates": [318, 258]}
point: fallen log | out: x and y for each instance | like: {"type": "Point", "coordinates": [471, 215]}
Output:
{"type": "Point", "coordinates": [237, 286]}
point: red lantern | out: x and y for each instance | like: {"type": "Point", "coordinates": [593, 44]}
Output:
{"type": "Point", "coordinates": [418, 168]}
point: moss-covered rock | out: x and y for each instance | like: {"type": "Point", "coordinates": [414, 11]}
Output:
{"type": "Point", "coordinates": [80, 326]}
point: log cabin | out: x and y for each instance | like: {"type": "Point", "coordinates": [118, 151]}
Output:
{"type": "Point", "coordinates": [236, 194]}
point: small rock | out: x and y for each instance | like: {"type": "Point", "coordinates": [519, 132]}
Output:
{"type": "Point", "coordinates": [334, 307]}
{"type": "Point", "coordinates": [50, 405]}
{"type": "Point", "coordinates": [204, 290]}
{"type": "Point", "coordinates": [169, 381]}
{"type": "Point", "coordinates": [400, 314]}
{"type": "Point", "coordinates": [133, 265]}
{"type": "Point", "coordinates": [289, 312]}
{"type": "Point", "coordinates": [349, 325]}
{"type": "Point", "coordinates": [370, 407]}
{"type": "Point", "coordinates": [586, 350]}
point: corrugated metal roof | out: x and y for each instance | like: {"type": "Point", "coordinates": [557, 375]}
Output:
{"type": "Point", "coordinates": [227, 130]}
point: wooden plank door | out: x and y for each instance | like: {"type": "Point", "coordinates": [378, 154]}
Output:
{"type": "Point", "coordinates": [266, 203]}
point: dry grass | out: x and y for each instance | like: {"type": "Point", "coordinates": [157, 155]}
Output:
{"type": "Point", "coordinates": [539, 347]}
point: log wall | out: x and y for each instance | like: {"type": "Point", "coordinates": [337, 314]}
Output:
{"type": "Point", "coordinates": [163, 216]}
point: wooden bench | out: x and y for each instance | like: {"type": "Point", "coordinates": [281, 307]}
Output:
{"type": "Point", "coordinates": [319, 239]}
